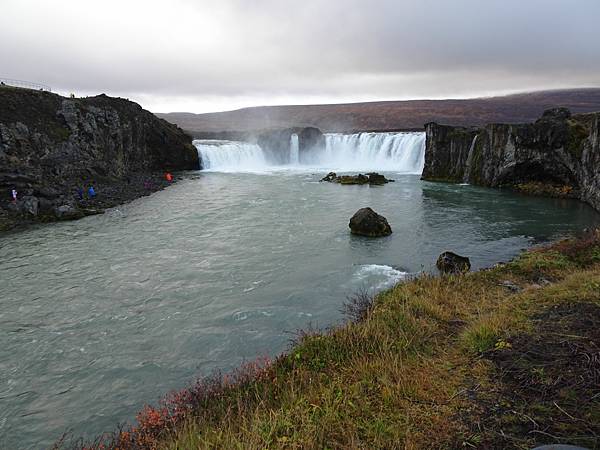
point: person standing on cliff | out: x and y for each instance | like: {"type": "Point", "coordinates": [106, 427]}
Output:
{"type": "Point", "coordinates": [168, 177]}
{"type": "Point", "coordinates": [14, 195]}
{"type": "Point", "coordinates": [91, 192]}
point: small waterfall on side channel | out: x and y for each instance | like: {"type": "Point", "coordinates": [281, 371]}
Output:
{"type": "Point", "coordinates": [294, 150]}
{"type": "Point", "coordinates": [469, 162]}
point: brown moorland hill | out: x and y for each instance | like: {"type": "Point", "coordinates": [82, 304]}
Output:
{"type": "Point", "coordinates": [393, 115]}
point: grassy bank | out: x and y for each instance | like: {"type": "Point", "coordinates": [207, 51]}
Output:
{"type": "Point", "coordinates": [502, 358]}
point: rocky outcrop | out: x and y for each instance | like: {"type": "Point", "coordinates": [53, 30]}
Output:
{"type": "Point", "coordinates": [372, 178]}
{"type": "Point", "coordinates": [276, 143]}
{"type": "Point", "coordinates": [559, 154]}
{"type": "Point", "coordinates": [451, 263]}
{"type": "Point", "coordinates": [310, 142]}
{"type": "Point", "coordinates": [51, 145]}
{"type": "Point", "coordinates": [366, 222]}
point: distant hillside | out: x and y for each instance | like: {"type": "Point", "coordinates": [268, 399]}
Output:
{"type": "Point", "coordinates": [393, 115]}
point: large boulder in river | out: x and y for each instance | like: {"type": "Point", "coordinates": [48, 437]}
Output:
{"type": "Point", "coordinates": [451, 263]}
{"type": "Point", "coordinates": [366, 222]}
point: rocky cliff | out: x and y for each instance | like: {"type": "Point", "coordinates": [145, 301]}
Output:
{"type": "Point", "coordinates": [276, 143]}
{"type": "Point", "coordinates": [559, 155]}
{"type": "Point", "coordinates": [51, 146]}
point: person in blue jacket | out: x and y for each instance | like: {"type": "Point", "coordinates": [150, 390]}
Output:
{"type": "Point", "coordinates": [91, 192]}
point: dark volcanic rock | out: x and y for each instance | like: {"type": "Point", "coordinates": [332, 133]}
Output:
{"type": "Point", "coordinates": [558, 155]}
{"type": "Point", "coordinates": [52, 145]}
{"type": "Point", "coordinates": [352, 179]}
{"type": "Point", "coordinates": [370, 178]}
{"type": "Point", "coordinates": [451, 263]}
{"type": "Point", "coordinates": [310, 142]}
{"type": "Point", "coordinates": [366, 222]}
{"type": "Point", "coordinates": [276, 143]}
{"type": "Point", "coordinates": [378, 179]}
{"type": "Point", "coordinates": [330, 177]}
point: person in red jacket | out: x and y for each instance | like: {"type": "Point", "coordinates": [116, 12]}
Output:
{"type": "Point", "coordinates": [168, 177]}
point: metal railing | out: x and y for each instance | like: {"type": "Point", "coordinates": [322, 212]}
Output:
{"type": "Point", "coordinates": [24, 84]}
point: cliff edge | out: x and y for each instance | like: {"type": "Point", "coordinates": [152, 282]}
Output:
{"type": "Point", "coordinates": [51, 147]}
{"type": "Point", "coordinates": [558, 155]}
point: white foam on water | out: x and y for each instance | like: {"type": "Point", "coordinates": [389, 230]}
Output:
{"type": "Point", "coordinates": [378, 276]}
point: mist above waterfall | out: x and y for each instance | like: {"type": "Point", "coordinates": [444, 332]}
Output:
{"type": "Point", "coordinates": [398, 152]}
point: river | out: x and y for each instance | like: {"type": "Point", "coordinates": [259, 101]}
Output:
{"type": "Point", "coordinates": [102, 315]}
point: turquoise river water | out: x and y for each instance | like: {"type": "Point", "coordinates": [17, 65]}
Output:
{"type": "Point", "coordinates": [102, 315]}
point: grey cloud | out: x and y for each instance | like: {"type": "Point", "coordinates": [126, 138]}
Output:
{"type": "Point", "coordinates": [265, 50]}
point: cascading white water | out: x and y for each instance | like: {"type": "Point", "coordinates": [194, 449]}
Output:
{"type": "Point", "coordinates": [469, 162]}
{"type": "Point", "coordinates": [398, 152]}
{"type": "Point", "coordinates": [294, 150]}
{"type": "Point", "coordinates": [395, 151]}
{"type": "Point", "coordinates": [230, 156]}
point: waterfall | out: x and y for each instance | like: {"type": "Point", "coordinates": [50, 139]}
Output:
{"type": "Point", "coordinates": [230, 156]}
{"type": "Point", "coordinates": [399, 152]}
{"type": "Point", "coordinates": [294, 150]}
{"type": "Point", "coordinates": [469, 162]}
{"type": "Point", "coordinates": [394, 151]}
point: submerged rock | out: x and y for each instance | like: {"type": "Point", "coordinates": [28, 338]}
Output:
{"type": "Point", "coordinates": [451, 263]}
{"type": "Point", "coordinates": [366, 222]}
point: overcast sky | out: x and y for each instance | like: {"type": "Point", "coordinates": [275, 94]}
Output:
{"type": "Point", "coordinates": [211, 55]}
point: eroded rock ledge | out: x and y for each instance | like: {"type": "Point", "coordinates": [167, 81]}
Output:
{"type": "Point", "coordinates": [557, 155]}
{"type": "Point", "coordinates": [50, 146]}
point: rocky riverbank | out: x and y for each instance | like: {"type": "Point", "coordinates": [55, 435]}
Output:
{"type": "Point", "coordinates": [558, 155]}
{"type": "Point", "coordinates": [52, 148]}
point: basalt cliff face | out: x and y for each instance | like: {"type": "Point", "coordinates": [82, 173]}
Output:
{"type": "Point", "coordinates": [51, 146]}
{"type": "Point", "coordinates": [275, 143]}
{"type": "Point", "coordinates": [557, 155]}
